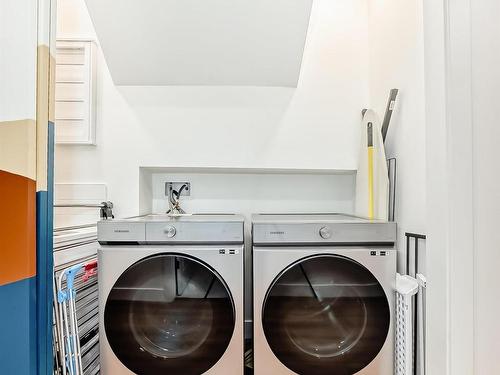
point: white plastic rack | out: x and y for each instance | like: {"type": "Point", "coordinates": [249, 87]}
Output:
{"type": "Point", "coordinates": [410, 314]}
{"type": "Point", "coordinates": [406, 288]}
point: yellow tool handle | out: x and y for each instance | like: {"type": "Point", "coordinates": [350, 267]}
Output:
{"type": "Point", "coordinates": [370, 184]}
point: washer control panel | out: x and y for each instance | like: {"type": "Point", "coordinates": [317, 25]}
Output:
{"type": "Point", "coordinates": [194, 232]}
{"type": "Point", "coordinates": [165, 229]}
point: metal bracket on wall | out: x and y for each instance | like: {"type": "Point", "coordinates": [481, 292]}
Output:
{"type": "Point", "coordinates": [105, 208]}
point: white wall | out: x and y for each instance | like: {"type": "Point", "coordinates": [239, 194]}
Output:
{"type": "Point", "coordinates": [462, 76]}
{"type": "Point", "coordinates": [248, 193]}
{"type": "Point", "coordinates": [18, 59]}
{"type": "Point", "coordinates": [313, 126]}
{"type": "Point", "coordinates": [397, 61]}
{"type": "Point", "coordinates": [437, 344]}
{"type": "Point", "coordinates": [486, 135]}
{"type": "Point", "coordinates": [356, 51]}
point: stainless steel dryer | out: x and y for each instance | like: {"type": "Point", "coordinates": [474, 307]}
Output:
{"type": "Point", "coordinates": [171, 295]}
{"type": "Point", "coordinates": [323, 295]}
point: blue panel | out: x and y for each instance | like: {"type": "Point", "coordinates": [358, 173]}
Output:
{"type": "Point", "coordinates": [45, 264]}
{"type": "Point", "coordinates": [17, 328]}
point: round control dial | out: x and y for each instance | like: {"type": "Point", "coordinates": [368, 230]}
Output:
{"type": "Point", "coordinates": [325, 233]}
{"type": "Point", "coordinates": [170, 231]}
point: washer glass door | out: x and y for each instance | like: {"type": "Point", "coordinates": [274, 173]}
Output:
{"type": "Point", "coordinates": [169, 314]}
{"type": "Point", "coordinates": [326, 314]}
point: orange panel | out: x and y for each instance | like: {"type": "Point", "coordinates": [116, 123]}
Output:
{"type": "Point", "coordinates": [17, 227]}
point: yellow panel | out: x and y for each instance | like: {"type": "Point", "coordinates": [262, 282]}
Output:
{"type": "Point", "coordinates": [18, 147]}
{"type": "Point", "coordinates": [52, 89]}
{"type": "Point", "coordinates": [42, 115]}
{"type": "Point", "coordinates": [370, 184]}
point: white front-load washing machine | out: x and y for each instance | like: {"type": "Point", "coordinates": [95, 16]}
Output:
{"type": "Point", "coordinates": [323, 295]}
{"type": "Point", "coordinates": [171, 295]}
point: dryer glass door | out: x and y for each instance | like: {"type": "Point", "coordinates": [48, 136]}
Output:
{"type": "Point", "coordinates": [169, 314]}
{"type": "Point", "coordinates": [326, 314]}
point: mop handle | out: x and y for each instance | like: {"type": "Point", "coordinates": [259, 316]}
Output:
{"type": "Point", "coordinates": [371, 213]}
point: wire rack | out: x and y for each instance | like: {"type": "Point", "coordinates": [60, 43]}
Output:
{"type": "Point", "coordinates": [76, 319]}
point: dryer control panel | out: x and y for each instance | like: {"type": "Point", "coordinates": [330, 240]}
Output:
{"type": "Point", "coordinates": [330, 229]}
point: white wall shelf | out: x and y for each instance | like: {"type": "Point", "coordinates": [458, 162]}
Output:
{"type": "Point", "coordinates": [75, 91]}
{"type": "Point", "coordinates": [332, 189]}
{"type": "Point", "coordinates": [250, 170]}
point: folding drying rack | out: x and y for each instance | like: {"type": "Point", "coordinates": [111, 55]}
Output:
{"type": "Point", "coordinates": [76, 319]}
